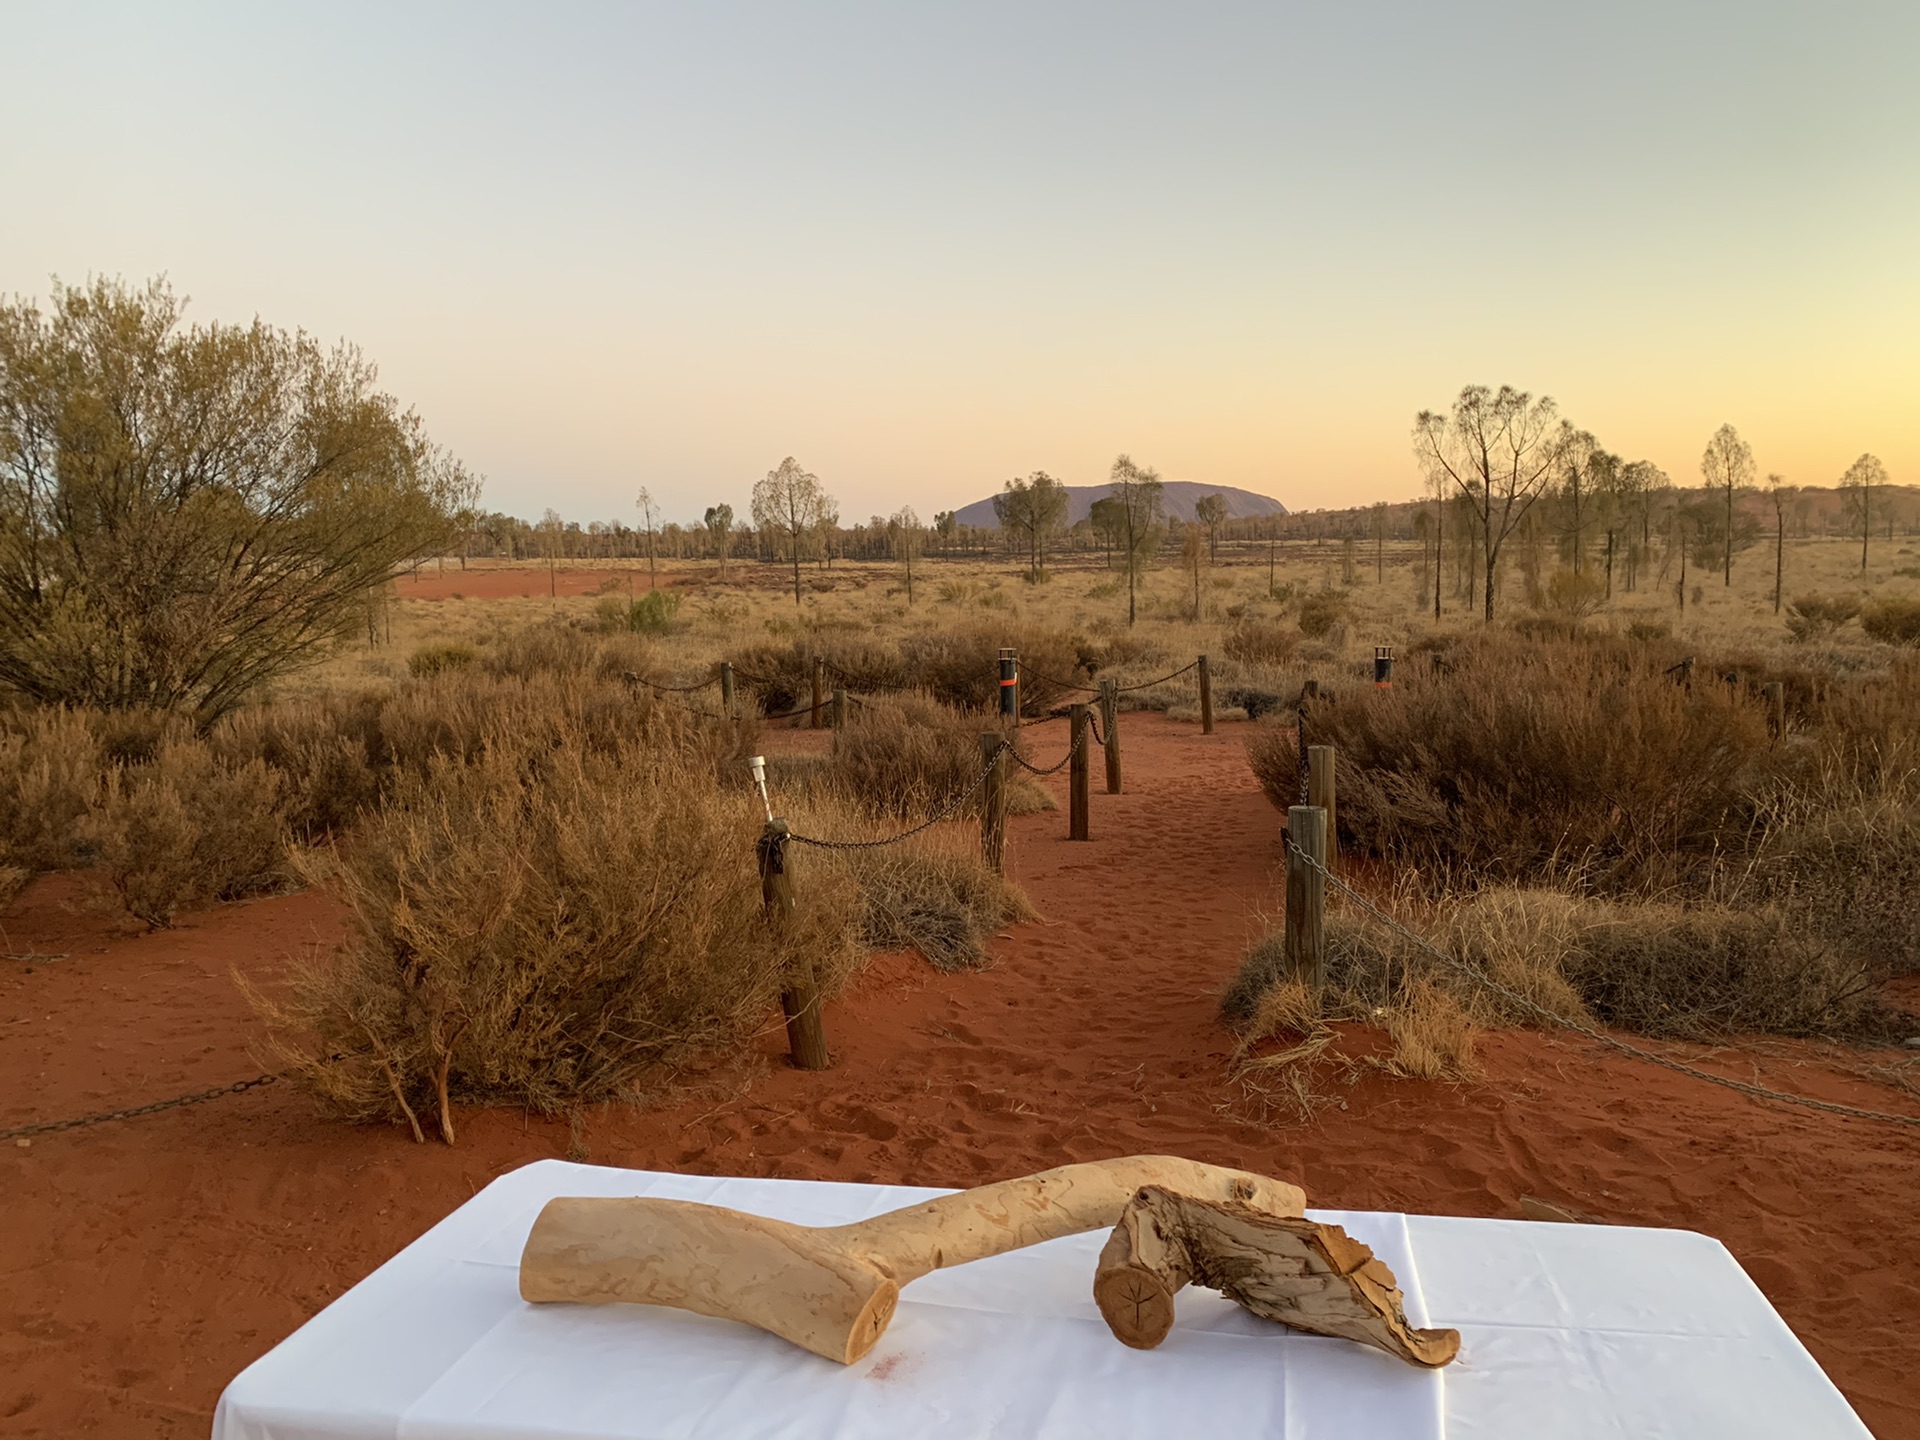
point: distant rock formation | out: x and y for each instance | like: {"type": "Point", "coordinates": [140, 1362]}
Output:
{"type": "Point", "coordinates": [1179, 496]}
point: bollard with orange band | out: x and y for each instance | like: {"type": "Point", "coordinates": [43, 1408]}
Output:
{"type": "Point", "coordinates": [1383, 667]}
{"type": "Point", "coordinates": [1009, 685]}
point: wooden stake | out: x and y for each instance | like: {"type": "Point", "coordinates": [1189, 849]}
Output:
{"type": "Point", "coordinates": [1320, 793]}
{"type": "Point", "coordinates": [726, 688]}
{"type": "Point", "coordinates": [819, 691]}
{"type": "Point", "coordinates": [1306, 895]}
{"type": "Point", "coordinates": [1110, 725]}
{"type": "Point", "coordinates": [1206, 698]}
{"type": "Point", "coordinates": [839, 708]}
{"type": "Point", "coordinates": [1078, 769]}
{"type": "Point", "coordinates": [993, 802]}
{"type": "Point", "coordinates": [806, 1035]}
{"type": "Point", "coordinates": [1775, 694]}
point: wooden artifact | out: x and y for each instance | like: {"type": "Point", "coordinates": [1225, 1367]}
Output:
{"type": "Point", "coordinates": [833, 1289]}
{"type": "Point", "coordinates": [1280, 1266]}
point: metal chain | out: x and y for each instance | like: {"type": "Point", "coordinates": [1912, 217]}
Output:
{"type": "Point", "coordinates": [1072, 750]}
{"type": "Point", "coordinates": [198, 1097]}
{"type": "Point", "coordinates": [1123, 689]}
{"type": "Point", "coordinates": [1026, 670]}
{"type": "Point", "coordinates": [672, 689]}
{"type": "Point", "coordinates": [927, 824]}
{"type": "Point", "coordinates": [1553, 1017]}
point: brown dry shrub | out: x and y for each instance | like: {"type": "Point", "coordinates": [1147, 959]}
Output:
{"type": "Point", "coordinates": [1258, 642]}
{"type": "Point", "coordinates": [1893, 620]}
{"type": "Point", "coordinates": [548, 927]}
{"type": "Point", "coordinates": [189, 828]}
{"type": "Point", "coordinates": [1517, 761]}
{"type": "Point", "coordinates": [323, 751]}
{"type": "Point", "coordinates": [908, 756]}
{"type": "Point", "coordinates": [934, 894]}
{"type": "Point", "coordinates": [50, 777]}
{"type": "Point", "coordinates": [1852, 876]}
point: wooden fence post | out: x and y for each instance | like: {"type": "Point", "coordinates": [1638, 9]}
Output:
{"type": "Point", "coordinates": [839, 708]}
{"type": "Point", "coordinates": [1306, 895]}
{"type": "Point", "coordinates": [1206, 698]}
{"type": "Point", "coordinates": [726, 688]}
{"type": "Point", "coordinates": [1775, 694]}
{"type": "Point", "coordinates": [800, 997]}
{"type": "Point", "coordinates": [1079, 769]}
{"type": "Point", "coordinates": [1110, 723]}
{"type": "Point", "coordinates": [993, 801]}
{"type": "Point", "coordinates": [819, 691]}
{"type": "Point", "coordinates": [1320, 796]}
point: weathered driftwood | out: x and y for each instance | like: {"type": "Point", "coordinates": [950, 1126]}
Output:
{"type": "Point", "coordinates": [1282, 1267]}
{"type": "Point", "coordinates": [833, 1289]}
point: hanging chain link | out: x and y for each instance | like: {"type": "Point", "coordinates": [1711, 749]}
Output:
{"type": "Point", "coordinates": [943, 813]}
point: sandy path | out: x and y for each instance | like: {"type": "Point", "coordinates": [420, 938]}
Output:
{"type": "Point", "coordinates": [143, 1263]}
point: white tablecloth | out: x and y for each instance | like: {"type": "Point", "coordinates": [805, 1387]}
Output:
{"type": "Point", "coordinates": [1569, 1331]}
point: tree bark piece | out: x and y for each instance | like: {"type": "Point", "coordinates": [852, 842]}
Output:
{"type": "Point", "coordinates": [833, 1289]}
{"type": "Point", "coordinates": [1304, 1274]}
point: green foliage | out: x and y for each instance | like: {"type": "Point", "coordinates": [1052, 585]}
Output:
{"type": "Point", "coordinates": [187, 512]}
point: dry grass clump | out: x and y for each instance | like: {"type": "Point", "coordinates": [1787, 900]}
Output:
{"type": "Point", "coordinates": [1893, 620]}
{"type": "Point", "coordinates": [934, 894]}
{"type": "Point", "coordinates": [1261, 642]}
{"type": "Point", "coordinates": [908, 755]}
{"type": "Point", "coordinates": [1850, 874]}
{"type": "Point", "coordinates": [51, 764]}
{"type": "Point", "coordinates": [547, 927]}
{"type": "Point", "coordinates": [188, 828]}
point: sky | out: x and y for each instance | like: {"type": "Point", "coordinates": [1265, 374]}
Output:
{"type": "Point", "coordinates": [925, 247]}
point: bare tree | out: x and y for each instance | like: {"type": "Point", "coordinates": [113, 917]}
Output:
{"type": "Point", "coordinates": [791, 503]}
{"type": "Point", "coordinates": [719, 523]}
{"type": "Point", "coordinates": [649, 515]}
{"type": "Point", "coordinates": [1139, 491]}
{"type": "Point", "coordinates": [1781, 494]}
{"type": "Point", "coordinates": [905, 528]}
{"type": "Point", "coordinates": [553, 540]}
{"type": "Point", "coordinates": [1499, 450]}
{"type": "Point", "coordinates": [1211, 511]}
{"type": "Point", "coordinates": [1727, 467]}
{"type": "Point", "coordinates": [1032, 507]}
{"type": "Point", "coordinates": [1863, 477]}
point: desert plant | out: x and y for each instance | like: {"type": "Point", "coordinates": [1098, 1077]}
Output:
{"type": "Point", "coordinates": [936, 895]}
{"type": "Point", "coordinates": [51, 764]}
{"type": "Point", "coordinates": [906, 756]}
{"type": "Point", "coordinates": [1815, 617]}
{"type": "Point", "coordinates": [189, 828]}
{"type": "Point", "coordinates": [1320, 613]}
{"type": "Point", "coordinates": [1892, 620]}
{"type": "Point", "coordinates": [547, 927]}
{"type": "Point", "coordinates": [432, 659]}
{"type": "Point", "coordinates": [1574, 594]}
{"type": "Point", "coordinates": [1255, 642]}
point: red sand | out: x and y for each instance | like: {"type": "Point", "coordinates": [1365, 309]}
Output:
{"type": "Point", "coordinates": [145, 1262]}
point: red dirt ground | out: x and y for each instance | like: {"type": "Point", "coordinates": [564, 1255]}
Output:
{"type": "Point", "coordinates": [143, 1263]}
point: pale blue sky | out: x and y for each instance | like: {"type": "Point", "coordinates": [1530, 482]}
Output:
{"type": "Point", "coordinates": [925, 247]}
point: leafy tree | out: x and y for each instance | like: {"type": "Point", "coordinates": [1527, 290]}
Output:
{"type": "Point", "coordinates": [1863, 477]}
{"type": "Point", "coordinates": [719, 523]}
{"type": "Point", "coordinates": [790, 502]}
{"type": "Point", "coordinates": [1500, 451]}
{"type": "Point", "coordinates": [945, 522]}
{"type": "Point", "coordinates": [1211, 511]}
{"type": "Point", "coordinates": [188, 512]}
{"type": "Point", "coordinates": [1727, 467]}
{"type": "Point", "coordinates": [1033, 507]}
{"type": "Point", "coordinates": [904, 530]}
{"type": "Point", "coordinates": [1108, 519]}
{"type": "Point", "coordinates": [1140, 493]}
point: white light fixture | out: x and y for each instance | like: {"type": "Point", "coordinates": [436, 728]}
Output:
{"type": "Point", "coordinates": [758, 764]}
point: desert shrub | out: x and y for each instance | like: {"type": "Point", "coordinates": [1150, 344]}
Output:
{"type": "Point", "coordinates": [1815, 617]}
{"type": "Point", "coordinates": [1256, 642]}
{"type": "Point", "coordinates": [1649, 632]}
{"type": "Point", "coordinates": [432, 659]}
{"type": "Point", "coordinates": [1520, 760]}
{"type": "Point", "coordinates": [1574, 595]}
{"type": "Point", "coordinates": [50, 776]}
{"type": "Point", "coordinates": [1892, 620]}
{"type": "Point", "coordinates": [1320, 613]}
{"type": "Point", "coordinates": [561, 649]}
{"type": "Point", "coordinates": [1851, 875]}
{"type": "Point", "coordinates": [547, 927]}
{"type": "Point", "coordinates": [907, 756]}
{"type": "Point", "coordinates": [934, 894]}
{"type": "Point", "coordinates": [322, 751]}
{"type": "Point", "coordinates": [189, 828]}
{"type": "Point", "coordinates": [653, 613]}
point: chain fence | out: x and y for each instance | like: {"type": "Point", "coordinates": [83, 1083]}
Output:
{"type": "Point", "coordinates": [946, 811]}
{"type": "Point", "coordinates": [1073, 749]}
{"type": "Point", "coordinates": [1553, 1018]}
{"type": "Point", "coordinates": [178, 1102]}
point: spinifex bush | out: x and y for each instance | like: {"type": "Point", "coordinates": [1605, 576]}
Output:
{"type": "Point", "coordinates": [1518, 759]}
{"type": "Point", "coordinates": [50, 777]}
{"type": "Point", "coordinates": [548, 927]}
{"type": "Point", "coordinates": [1892, 620]}
{"type": "Point", "coordinates": [907, 756]}
{"type": "Point", "coordinates": [1815, 617]}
